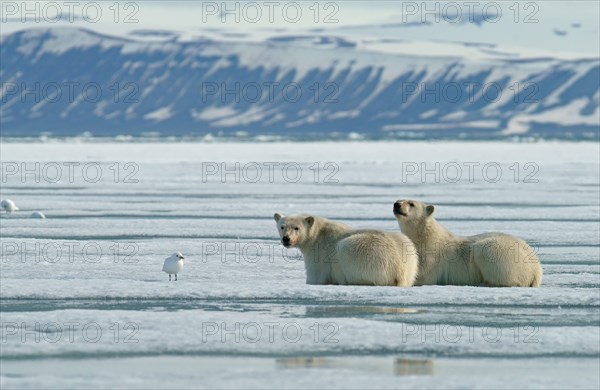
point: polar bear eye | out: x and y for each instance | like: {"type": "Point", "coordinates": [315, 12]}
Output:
{"type": "Point", "coordinates": [296, 228]}
{"type": "Point", "coordinates": [412, 204]}
{"type": "Point", "coordinates": [282, 228]}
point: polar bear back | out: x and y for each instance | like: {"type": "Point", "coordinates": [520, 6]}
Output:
{"type": "Point", "coordinates": [378, 258]}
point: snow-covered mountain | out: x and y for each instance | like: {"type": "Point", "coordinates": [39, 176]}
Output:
{"type": "Point", "coordinates": [67, 81]}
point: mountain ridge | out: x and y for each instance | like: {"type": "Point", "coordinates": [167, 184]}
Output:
{"type": "Point", "coordinates": [324, 86]}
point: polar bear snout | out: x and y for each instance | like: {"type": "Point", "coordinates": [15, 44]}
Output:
{"type": "Point", "coordinates": [290, 241]}
{"type": "Point", "coordinates": [398, 208]}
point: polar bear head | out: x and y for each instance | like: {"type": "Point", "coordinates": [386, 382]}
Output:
{"type": "Point", "coordinates": [412, 211]}
{"type": "Point", "coordinates": [294, 230]}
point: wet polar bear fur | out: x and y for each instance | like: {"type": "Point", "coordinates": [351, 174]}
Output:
{"type": "Point", "coordinates": [489, 259]}
{"type": "Point", "coordinates": [336, 254]}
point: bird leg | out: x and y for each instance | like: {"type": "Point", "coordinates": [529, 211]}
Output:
{"type": "Point", "coordinates": [169, 277]}
{"type": "Point", "coordinates": [175, 277]}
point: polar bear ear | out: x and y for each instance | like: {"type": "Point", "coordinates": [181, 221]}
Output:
{"type": "Point", "coordinates": [310, 220]}
{"type": "Point", "coordinates": [277, 217]}
{"type": "Point", "coordinates": [429, 209]}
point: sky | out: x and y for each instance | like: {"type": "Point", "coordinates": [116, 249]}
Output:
{"type": "Point", "coordinates": [539, 25]}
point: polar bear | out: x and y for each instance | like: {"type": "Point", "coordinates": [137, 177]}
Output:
{"type": "Point", "coordinates": [336, 254]}
{"type": "Point", "coordinates": [489, 259]}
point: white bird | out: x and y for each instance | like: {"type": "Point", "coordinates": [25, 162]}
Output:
{"type": "Point", "coordinates": [173, 264]}
{"type": "Point", "coordinates": [38, 215]}
{"type": "Point", "coordinates": [8, 205]}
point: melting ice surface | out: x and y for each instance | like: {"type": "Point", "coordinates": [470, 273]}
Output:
{"type": "Point", "coordinates": [84, 301]}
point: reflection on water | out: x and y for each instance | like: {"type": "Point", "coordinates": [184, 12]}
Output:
{"type": "Point", "coordinates": [304, 362]}
{"type": "Point", "coordinates": [403, 367]}
{"type": "Point", "coordinates": [399, 366]}
{"type": "Point", "coordinates": [361, 310]}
